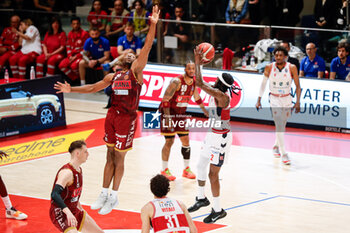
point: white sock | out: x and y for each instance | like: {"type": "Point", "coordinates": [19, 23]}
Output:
{"type": "Point", "coordinates": [164, 164]}
{"type": "Point", "coordinates": [7, 202]}
{"type": "Point", "coordinates": [104, 191]}
{"type": "Point", "coordinates": [216, 204]}
{"type": "Point", "coordinates": [114, 194]}
{"type": "Point", "coordinates": [186, 163]}
{"type": "Point", "coordinates": [201, 192]}
{"type": "Point", "coordinates": [280, 138]}
{"type": "Point", "coordinates": [82, 82]}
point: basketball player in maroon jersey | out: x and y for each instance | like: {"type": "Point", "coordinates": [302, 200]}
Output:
{"type": "Point", "coordinates": [217, 143]}
{"type": "Point", "coordinates": [173, 108]}
{"type": "Point", "coordinates": [165, 214]}
{"type": "Point", "coordinates": [121, 119]}
{"type": "Point", "coordinates": [11, 211]}
{"type": "Point", "coordinates": [66, 213]}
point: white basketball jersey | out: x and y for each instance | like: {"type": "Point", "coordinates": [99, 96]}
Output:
{"type": "Point", "coordinates": [220, 114]}
{"type": "Point", "coordinates": [280, 81]}
{"type": "Point", "coordinates": [168, 216]}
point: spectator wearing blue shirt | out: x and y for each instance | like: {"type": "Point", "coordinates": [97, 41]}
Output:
{"type": "Point", "coordinates": [312, 65]}
{"type": "Point", "coordinates": [96, 52]}
{"type": "Point", "coordinates": [129, 40]}
{"type": "Point", "coordinates": [236, 11]}
{"type": "Point", "coordinates": [340, 66]}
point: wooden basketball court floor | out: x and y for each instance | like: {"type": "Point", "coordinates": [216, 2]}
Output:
{"type": "Point", "coordinates": [257, 191]}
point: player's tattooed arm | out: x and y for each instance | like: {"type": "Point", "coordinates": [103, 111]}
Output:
{"type": "Point", "coordinates": [222, 99]}
{"type": "Point", "coordinates": [297, 89]}
{"type": "Point", "coordinates": [169, 92]}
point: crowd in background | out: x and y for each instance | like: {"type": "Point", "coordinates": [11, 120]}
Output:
{"type": "Point", "coordinates": [122, 25]}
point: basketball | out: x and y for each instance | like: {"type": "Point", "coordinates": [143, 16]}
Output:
{"type": "Point", "coordinates": [208, 52]}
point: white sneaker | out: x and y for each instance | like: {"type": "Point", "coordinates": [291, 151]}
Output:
{"type": "Point", "coordinates": [16, 214]}
{"type": "Point", "coordinates": [285, 159]}
{"type": "Point", "coordinates": [109, 205]}
{"type": "Point", "coordinates": [99, 203]}
{"type": "Point", "coordinates": [276, 152]}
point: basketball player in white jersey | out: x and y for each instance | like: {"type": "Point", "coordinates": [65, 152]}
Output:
{"type": "Point", "coordinates": [217, 143]}
{"type": "Point", "coordinates": [280, 75]}
{"type": "Point", "coordinates": [165, 214]}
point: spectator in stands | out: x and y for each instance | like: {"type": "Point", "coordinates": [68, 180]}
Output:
{"type": "Point", "coordinates": [75, 44]}
{"type": "Point", "coordinates": [97, 17]}
{"type": "Point", "coordinates": [44, 5]}
{"type": "Point", "coordinates": [236, 11]}
{"type": "Point", "coordinates": [129, 40]}
{"type": "Point", "coordinates": [342, 13]}
{"type": "Point", "coordinates": [312, 65]}
{"type": "Point", "coordinates": [163, 15]}
{"type": "Point", "coordinates": [255, 11]}
{"type": "Point", "coordinates": [29, 38]}
{"type": "Point", "coordinates": [340, 66]}
{"type": "Point", "coordinates": [117, 22]}
{"type": "Point", "coordinates": [286, 12]}
{"type": "Point", "coordinates": [96, 52]}
{"type": "Point", "coordinates": [291, 60]}
{"type": "Point", "coordinates": [139, 16]}
{"type": "Point", "coordinates": [182, 32]}
{"type": "Point", "coordinates": [325, 13]}
{"type": "Point", "coordinates": [54, 47]}
{"type": "Point", "coordinates": [9, 41]}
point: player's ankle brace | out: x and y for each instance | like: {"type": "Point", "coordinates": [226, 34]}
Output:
{"type": "Point", "coordinates": [186, 152]}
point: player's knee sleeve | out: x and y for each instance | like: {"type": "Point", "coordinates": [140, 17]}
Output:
{"type": "Point", "coordinates": [186, 152]}
{"type": "Point", "coordinates": [202, 168]}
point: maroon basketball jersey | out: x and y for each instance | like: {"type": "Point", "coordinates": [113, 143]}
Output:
{"type": "Point", "coordinates": [71, 194]}
{"type": "Point", "coordinates": [180, 99]}
{"type": "Point", "coordinates": [126, 92]}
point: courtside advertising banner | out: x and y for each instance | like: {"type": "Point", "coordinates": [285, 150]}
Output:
{"type": "Point", "coordinates": [30, 105]}
{"type": "Point", "coordinates": [324, 103]}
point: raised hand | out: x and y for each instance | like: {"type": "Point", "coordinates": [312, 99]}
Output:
{"type": "Point", "coordinates": [198, 55]}
{"type": "Point", "coordinates": [62, 87]}
{"type": "Point", "coordinates": [155, 14]}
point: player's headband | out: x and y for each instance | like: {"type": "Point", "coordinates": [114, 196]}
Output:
{"type": "Point", "coordinates": [224, 82]}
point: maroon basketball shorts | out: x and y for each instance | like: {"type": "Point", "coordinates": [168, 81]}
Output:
{"type": "Point", "coordinates": [59, 219]}
{"type": "Point", "coordinates": [120, 130]}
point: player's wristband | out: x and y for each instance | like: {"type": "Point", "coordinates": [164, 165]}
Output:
{"type": "Point", "coordinates": [165, 104]}
{"type": "Point", "coordinates": [200, 101]}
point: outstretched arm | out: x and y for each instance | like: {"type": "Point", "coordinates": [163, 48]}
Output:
{"type": "Point", "coordinates": [222, 99]}
{"type": "Point", "coordinates": [90, 88]}
{"type": "Point", "coordinates": [139, 64]}
{"type": "Point", "coordinates": [169, 92]}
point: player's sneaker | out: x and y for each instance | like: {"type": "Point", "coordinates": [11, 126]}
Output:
{"type": "Point", "coordinates": [276, 152]}
{"type": "Point", "coordinates": [168, 174]}
{"type": "Point", "coordinates": [99, 203]}
{"type": "Point", "coordinates": [214, 216]}
{"type": "Point", "coordinates": [109, 205]}
{"type": "Point", "coordinates": [285, 159]}
{"type": "Point", "coordinates": [187, 173]}
{"type": "Point", "coordinates": [16, 214]}
{"type": "Point", "coordinates": [199, 204]}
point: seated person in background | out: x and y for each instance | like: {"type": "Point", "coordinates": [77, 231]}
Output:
{"type": "Point", "coordinates": [129, 40]}
{"type": "Point", "coordinates": [29, 38]}
{"type": "Point", "coordinates": [117, 22]}
{"type": "Point", "coordinates": [9, 41]}
{"type": "Point", "coordinates": [75, 44]}
{"type": "Point", "coordinates": [312, 65]}
{"type": "Point", "coordinates": [96, 52]}
{"type": "Point", "coordinates": [340, 66]}
{"type": "Point", "coordinates": [139, 17]}
{"type": "Point", "coordinates": [236, 11]}
{"type": "Point", "coordinates": [97, 17]}
{"type": "Point", "coordinates": [54, 46]}
{"type": "Point", "coordinates": [181, 31]}
{"type": "Point", "coordinates": [291, 60]}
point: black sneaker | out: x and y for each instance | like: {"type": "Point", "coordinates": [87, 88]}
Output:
{"type": "Point", "coordinates": [214, 216]}
{"type": "Point", "coordinates": [199, 203]}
